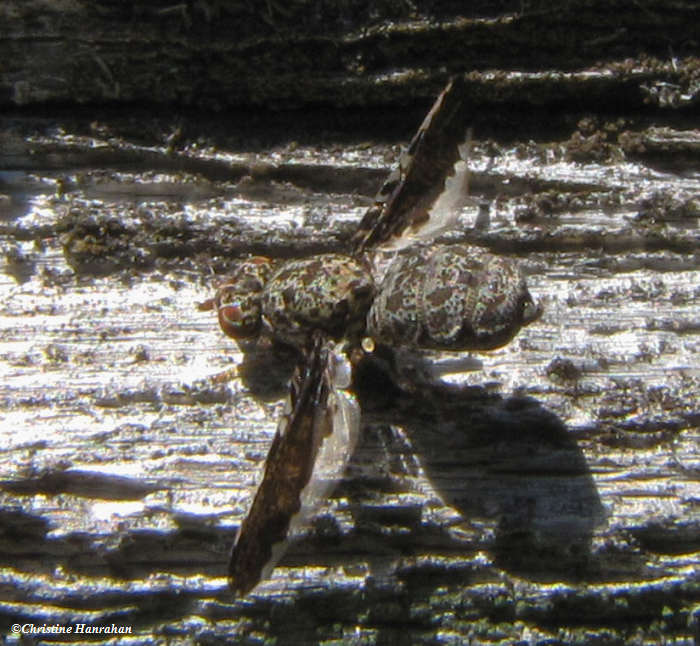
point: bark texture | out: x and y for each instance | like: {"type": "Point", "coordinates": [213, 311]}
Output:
{"type": "Point", "coordinates": [543, 493]}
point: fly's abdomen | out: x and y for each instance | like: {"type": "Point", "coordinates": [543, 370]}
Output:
{"type": "Point", "coordinates": [329, 292]}
{"type": "Point", "coordinates": [450, 298]}
{"type": "Point", "coordinates": [394, 318]}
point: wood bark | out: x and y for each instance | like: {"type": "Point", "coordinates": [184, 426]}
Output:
{"type": "Point", "coordinates": [546, 492]}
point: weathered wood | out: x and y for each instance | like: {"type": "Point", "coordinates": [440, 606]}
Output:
{"type": "Point", "coordinates": [217, 55]}
{"type": "Point", "coordinates": [545, 491]}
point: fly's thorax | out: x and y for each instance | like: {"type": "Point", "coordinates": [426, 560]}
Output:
{"type": "Point", "coordinates": [238, 298]}
{"type": "Point", "coordinates": [329, 292]}
{"type": "Point", "coordinates": [450, 298]}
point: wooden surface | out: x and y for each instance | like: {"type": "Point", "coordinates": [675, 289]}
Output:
{"type": "Point", "coordinates": [543, 493]}
{"type": "Point", "coordinates": [217, 55]}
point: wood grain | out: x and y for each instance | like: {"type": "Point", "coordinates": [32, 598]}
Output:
{"type": "Point", "coordinates": [545, 491]}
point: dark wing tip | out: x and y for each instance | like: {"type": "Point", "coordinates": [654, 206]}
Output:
{"type": "Point", "coordinates": [409, 191]}
{"type": "Point", "coordinates": [288, 470]}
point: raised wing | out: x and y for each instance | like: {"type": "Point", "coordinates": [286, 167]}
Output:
{"type": "Point", "coordinates": [315, 438]}
{"type": "Point", "coordinates": [406, 199]}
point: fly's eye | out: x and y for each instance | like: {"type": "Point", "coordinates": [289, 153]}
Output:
{"type": "Point", "coordinates": [231, 312]}
{"type": "Point", "coordinates": [259, 260]}
{"type": "Point", "coordinates": [239, 316]}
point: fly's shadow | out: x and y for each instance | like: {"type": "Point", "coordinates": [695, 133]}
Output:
{"type": "Point", "coordinates": [507, 460]}
{"type": "Point", "coordinates": [265, 371]}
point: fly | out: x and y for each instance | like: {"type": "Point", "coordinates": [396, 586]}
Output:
{"type": "Point", "coordinates": [333, 306]}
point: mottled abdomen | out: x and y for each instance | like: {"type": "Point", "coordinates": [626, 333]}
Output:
{"type": "Point", "coordinates": [329, 292]}
{"type": "Point", "coordinates": [450, 298]}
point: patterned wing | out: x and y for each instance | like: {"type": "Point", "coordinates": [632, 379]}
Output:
{"type": "Point", "coordinates": [406, 199]}
{"type": "Point", "coordinates": [314, 440]}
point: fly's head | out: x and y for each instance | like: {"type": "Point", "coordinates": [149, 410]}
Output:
{"type": "Point", "coordinates": [237, 301]}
